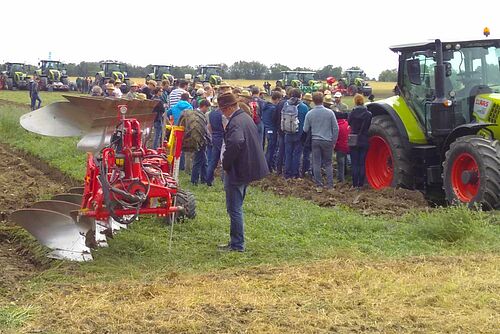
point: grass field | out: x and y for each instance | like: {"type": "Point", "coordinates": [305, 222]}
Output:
{"type": "Point", "coordinates": [308, 269]}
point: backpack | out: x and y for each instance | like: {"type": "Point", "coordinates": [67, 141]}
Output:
{"type": "Point", "coordinates": [254, 107]}
{"type": "Point", "coordinates": [195, 130]}
{"type": "Point", "coordinates": [290, 118]}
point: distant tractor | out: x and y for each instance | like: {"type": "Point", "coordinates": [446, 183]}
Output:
{"type": "Point", "coordinates": [354, 83]}
{"type": "Point", "coordinates": [300, 79]}
{"type": "Point", "coordinates": [52, 74]}
{"type": "Point", "coordinates": [14, 76]}
{"type": "Point", "coordinates": [160, 73]}
{"type": "Point", "coordinates": [209, 73]}
{"type": "Point", "coordinates": [111, 69]}
{"type": "Point", "coordinates": [441, 133]}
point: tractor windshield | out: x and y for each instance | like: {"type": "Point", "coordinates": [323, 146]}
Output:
{"type": "Point", "coordinates": [211, 71]}
{"type": "Point", "coordinates": [113, 67]}
{"type": "Point", "coordinates": [163, 70]}
{"type": "Point", "coordinates": [307, 77]}
{"type": "Point", "coordinates": [291, 76]}
{"type": "Point", "coordinates": [51, 65]}
{"type": "Point", "coordinates": [477, 66]}
{"type": "Point", "coordinates": [16, 68]}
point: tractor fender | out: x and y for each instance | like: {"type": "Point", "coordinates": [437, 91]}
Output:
{"type": "Point", "coordinates": [463, 130]}
{"type": "Point", "coordinates": [377, 108]}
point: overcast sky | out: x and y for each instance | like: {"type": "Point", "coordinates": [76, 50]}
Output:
{"type": "Point", "coordinates": [308, 34]}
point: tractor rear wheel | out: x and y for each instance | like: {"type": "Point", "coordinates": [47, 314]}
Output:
{"type": "Point", "coordinates": [471, 172]}
{"type": "Point", "coordinates": [387, 161]}
{"type": "Point", "coordinates": [9, 84]}
{"type": "Point", "coordinates": [185, 199]}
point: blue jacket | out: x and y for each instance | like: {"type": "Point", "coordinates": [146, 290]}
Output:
{"type": "Point", "coordinates": [177, 110]}
{"type": "Point", "coordinates": [268, 116]}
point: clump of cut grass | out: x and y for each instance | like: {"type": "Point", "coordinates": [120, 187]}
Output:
{"type": "Point", "coordinates": [452, 225]}
{"type": "Point", "coordinates": [12, 317]}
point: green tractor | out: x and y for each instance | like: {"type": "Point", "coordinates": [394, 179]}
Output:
{"type": "Point", "coordinates": [160, 73]}
{"type": "Point", "coordinates": [300, 79]}
{"type": "Point", "coordinates": [440, 133]}
{"type": "Point", "coordinates": [111, 69]}
{"type": "Point", "coordinates": [15, 77]}
{"type": "Point", "coordinates": [209, 73]}
{"type": "Point", "coordinates": [289, 79]}
{"type": "Point", "coordinates": [354, 83]}
{"type": "Point", "coordinates": [52, 74]}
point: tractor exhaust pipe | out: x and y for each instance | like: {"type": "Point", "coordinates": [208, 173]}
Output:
{"type": "Point", "coordinates": [439, 71]}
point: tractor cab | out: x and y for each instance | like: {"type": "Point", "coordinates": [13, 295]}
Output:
{"type": "Point", "coordinates": [289, 78]}
{"type": "Point", "coordinates": [306, 77]}
{"type": "Point", "coordinates": [160, 73]}
{"type": "Point", "coordinates": [469, 82]}
{"type": "Point", "coordinates": [111, 69]}
{"type": "Point", "coordinates": [209, 73]}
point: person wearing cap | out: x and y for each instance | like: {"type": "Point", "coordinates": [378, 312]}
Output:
{"type": "Point", "coordinates": [224, 87]}
{"type": "Point", "coordinates": [199, 95]}
{"type": "Point", "coordinates": [244, 99]}
{"type": "Point", "coordinates": [243, 163]}
{"type": "Point", "coordinates": [132, 93]}
{"type": "Point", "coordinates": [322, 124]}
{"type": "Point", "coordinates": [216, 130]}
{"type": "Point", "coordinates": [338, 105]}
{"type": "Point", "coordinates": [307, 99]}
{"type": "Point", "coordinates": [118, 92]}
{"type": "Point", "coordinates": [110, 90]}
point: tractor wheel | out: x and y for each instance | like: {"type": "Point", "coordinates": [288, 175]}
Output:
{"type": "Point", "coordinates": [471, 172]}
{"type": "Point", "coordinates": [43, 83]}
{"type": "Point", "coordinates": [352, 90]}
{"type": "Point", "coordinates": [387, 161]}
{"type": "Point", "coordinates": [185, 199]}
{"type": "Point", "coordinates": [9, 84]}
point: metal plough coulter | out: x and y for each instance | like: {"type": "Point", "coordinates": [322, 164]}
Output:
{"type": "Point", "coordinates": [124, 179]}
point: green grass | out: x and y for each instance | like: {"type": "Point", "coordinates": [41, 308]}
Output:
{"type": "Point", "coordinates": [278, 229]}
{"type": "Point", "coordinates": [280, 232]}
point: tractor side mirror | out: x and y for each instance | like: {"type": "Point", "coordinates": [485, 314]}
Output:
{"type": "Point", "coordinates": [413, 69]}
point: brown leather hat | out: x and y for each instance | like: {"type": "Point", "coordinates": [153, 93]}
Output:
{"type": "Point", "coordinates": [226, 100]}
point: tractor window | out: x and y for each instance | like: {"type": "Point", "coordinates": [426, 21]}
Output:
{"type": "Point", "coordinates": [212, 71]}
{"type": "Point", "coordinates": [114, 68]}
{"type": "Point", "coordinates": [419, 96]}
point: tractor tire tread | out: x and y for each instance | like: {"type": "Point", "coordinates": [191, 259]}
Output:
{"type": "Point", "coordinates": [489, 151]}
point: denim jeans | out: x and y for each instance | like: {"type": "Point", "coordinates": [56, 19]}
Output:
{"type": "Point", "coordinates": [235, 195]}
{"type": "Point", "coordinates": [322, 152]}
{"type": "Point", "coordinates": [358, 156]}
{"type": "Point", "coordinates": [293, 153]}
{"type": "Point", "coordinates": [158, 128]}
{"type": "Point", "coordinates": [280, 153]}
{"type": "Point", "coordinates": [214, 159]}
{"type": "Point", "coordinates": [306, 161]}
{"type": "Point", "coordinates": [260, 130]}
{"type": "Point", "coordinates": [34, 98]}
{"type": "Point", "coordinates": [341, 160]}
{"type": "Point", "coordinates": [271, 138]}
{"type": "Point", "coordinates": [199, 171]}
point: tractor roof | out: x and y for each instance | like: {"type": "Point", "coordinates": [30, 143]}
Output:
{"type": "Point", "coordinates": [429, 45]}
{"type": "Point", "coordinates": [163, 65]}
{"type": "Point", "coordinates": [289, 71]}
{"type": "Point", "coordinates": [307, 72]}
{"type": "Point", "coordinates": [110, 62]}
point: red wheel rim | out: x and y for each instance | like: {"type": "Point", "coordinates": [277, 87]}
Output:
{"type": "Point", "coordinates": [379, 163]}
{"type": "Point", "coordinates": [465, 177]}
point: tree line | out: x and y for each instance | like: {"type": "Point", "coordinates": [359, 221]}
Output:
{"type": "Point", "coordinates": [249, 70]}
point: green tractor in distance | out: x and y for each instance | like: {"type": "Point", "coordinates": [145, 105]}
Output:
{"type": "Point", "coordinates": [308, 83]}
{"type": "Point", "coordinates": [111, 69]}
{"type": "Point", "coordinates": [354, 83]}
{"type": "Point", "coordinates": [160, 73]}
{"type": "Point", "coordinates": [14, 76]}
{"type": "Point", "coordinates": [52, 74]}
{"type": "Point", "coordinates": [289, 79]}
{"type": "Point", "coordinates": [441, 133]}
{"type": "Point", "coordinates": [209, 73]}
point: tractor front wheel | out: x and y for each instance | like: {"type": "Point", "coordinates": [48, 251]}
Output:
{"type": "Point", "coordinates": [387, 162]}
{"type": "Point", "coordinates": [471, 172]}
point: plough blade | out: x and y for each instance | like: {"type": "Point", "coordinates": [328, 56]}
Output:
{"type": "Point", "coordinates": [94, 118]}
{"type": "Point", "coordinates": [59, 206]}
{"type": "Point", "coordinates": [76, 190]}
{"type": "Point", "coordinates": [71, 198]}
{"type": "Point", "coordinates": [55, 230]}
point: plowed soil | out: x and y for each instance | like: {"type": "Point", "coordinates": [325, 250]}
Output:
{"type": "Point", "coordinates": [389, 201]}
{"type": "Point", "coordinates": [21, 184]}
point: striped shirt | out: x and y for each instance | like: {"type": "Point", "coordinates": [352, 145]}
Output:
{"type": "Point", "coordinates": [175, 96]}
